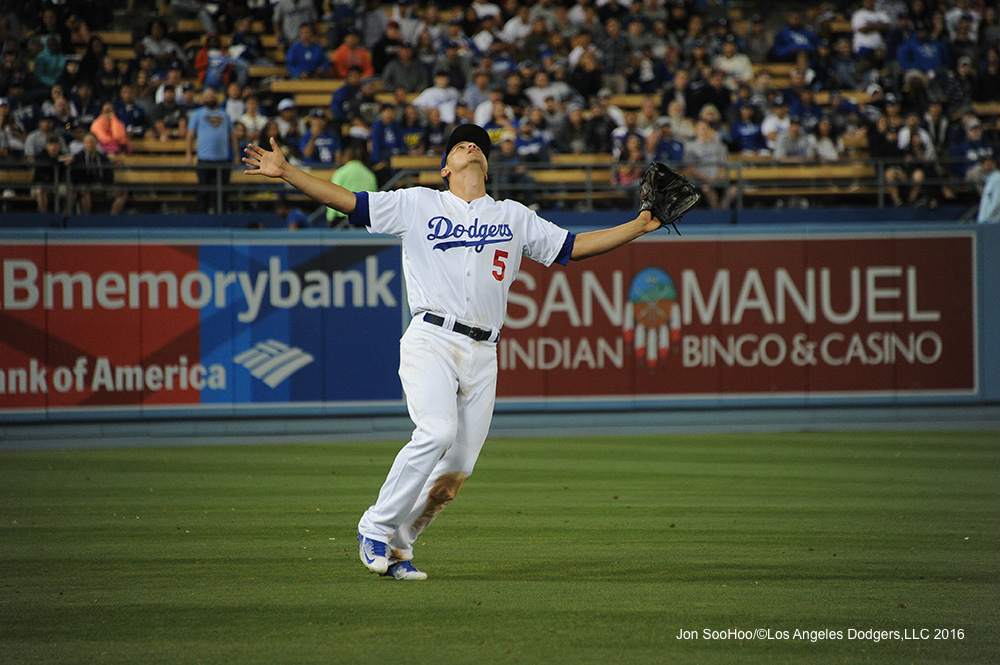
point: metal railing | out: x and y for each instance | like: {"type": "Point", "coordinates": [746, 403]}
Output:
{"type": "Point", "coordinates": [584, 186]}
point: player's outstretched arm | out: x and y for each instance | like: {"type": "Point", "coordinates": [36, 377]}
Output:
{"type": "Point", "coordinates": [592, 243]}
{"type": "Point", "coordinates": [272, 163]}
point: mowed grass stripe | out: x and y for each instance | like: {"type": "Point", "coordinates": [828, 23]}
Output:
{"type": "Point", "coordinates": [559, 550]}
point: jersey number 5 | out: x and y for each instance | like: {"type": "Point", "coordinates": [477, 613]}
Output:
{"type": "Point", "coordinates": [498, 259]}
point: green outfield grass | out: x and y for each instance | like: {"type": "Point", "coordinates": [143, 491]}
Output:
{"type": "Point", "coordinates": [582, 550]}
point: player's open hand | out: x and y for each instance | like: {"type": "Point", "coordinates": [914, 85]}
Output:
{"type": "Point", "coordinates": [269, 163]}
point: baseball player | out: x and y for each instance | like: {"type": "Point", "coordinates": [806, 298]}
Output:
{"type": "Point", "coordinates": [461, 252]}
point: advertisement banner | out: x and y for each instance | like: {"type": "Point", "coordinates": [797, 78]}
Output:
{"type": "Point", "coordinates": [740, 316]}
{"type": "Point", "coordinates": [134, 324]}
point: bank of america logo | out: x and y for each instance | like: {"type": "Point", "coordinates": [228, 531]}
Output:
{"type": "Point", "coordinates": [272, 361]}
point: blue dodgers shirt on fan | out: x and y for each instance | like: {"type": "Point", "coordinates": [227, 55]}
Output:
{"type": "Point", "coordinates": [461, 257]}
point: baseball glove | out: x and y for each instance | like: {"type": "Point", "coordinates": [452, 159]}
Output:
{"type": "Point", "coordinates": [667, 194]}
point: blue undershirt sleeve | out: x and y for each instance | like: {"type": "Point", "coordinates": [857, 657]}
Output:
{"type": "Point", "coordinates": [360, 216]}
{"type": "Point", "coordinates": [566, 252]}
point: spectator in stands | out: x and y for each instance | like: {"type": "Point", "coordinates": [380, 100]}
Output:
{"type": "Point", "coordinates": [745, 134]}
{"type": "Point", "coordinates": [351, 54]}
{"type": "Point", "coordinates": [962, 86]}
{"type": "Point", "coordinates": [793, 146]}
{"type": "Point", "coordinates": [661, 146]}
{"type": "Point", "coordinates": [70, 76]}
{"type": "Point", "coordinates": [679, 90]}
{"type": "Point", "coordinates": [387, 48]}
{"type": "Point", "coordinates": [233, 103]}
{"type": "Point", "coordinates": [457, 67]}
{"type": "Point", "coordinates": [290, 127]}
{"type": "Point", "coordinates": [319, 146]}
{"type": "Point", "coordinates": [517, 28]}
{"type": "Point", "coordinates": [883, 147]}
{"type": "Point", "coordinates": [868, 26]}
{"type": "Point", "coordinates": [108, 81]}
{"type": "Point", "coordinates": [344, 97]}
{"type": "Point", "coordinates": [962, 11]}
{"type": "Point", "coordinates": [306, 58]}
{"type": "Point", "coordinates": [600, 125]}
{"type": "Point", "coordinates": [11, 136]}
{"type": "Point", "coordinates": [713, 92]}
{"type": "Point", "coordinates": [34, 142]}
{"type": "Point", "coordinates": [413, 130]}
{"type": "Point", "coordinates": [216, 68]}
{"type": "Point", "coordinates": [807, 108]}
{"type": "Point", "coordinates": [759, 44]}
{"type": "Point", "coordinates": [50, 62]}
{"type": "Point", "coordinates": [615, 56]}
{"type": "Point", "coordinates": [621, 133]}
{"type": "Point", "coordinates": [484, 111]}
{"type": "Point", "coordinates": [289, 144]}
{"type": "Point", "coordinates": [704, 164]}
{"type": "Point", "coordinates": [531, 145]}
{"type": "Point", "coordinates": [50, 169]}
{"type": "Point", "coordinates": [776, 123]}
{"type": "Point", "coordinates": [386, 141]}
{"type": "Point", "coordinates": [513, 93]}
{"type": "Point", "coordinates": [510, 178]}
{"type": "Point", "coordinates": [989, 27]}
{"type": "Point", "coordinates": [93, 174]}
{"type": "Point", "coordinates": [967, 154]}
{"type": "Point", "coordinates": [253, 119]}
{"type": "Point", "coordinates": [681, 125]}
{"type": "Point", "coordinates": [647, 115]}
{"type": "Point", "coordinates": [169, 118]}
{"type": "Point", "coordinates": [478, 91]}
{"type": "Point", "coordinates": [924, 64]}
{"type": "Point", "coordinates": [825, 145]}
{"type": "Point", "coordinates": [919, 165]}
{"type": "Point", "coordinates": [894, 110]}
{"type": "Point", "coordinates": [735, 66]}
{"type": "Point", "coordinates": [158, 44]}
{"type": "Point", "coordinates": [174, 80]}
{"type": "Point", "coordinates": [405, 72]}
{"type": "Point", "coordinates": [500, 122]}
{"type": "Point", "coordinates": [132, 116]}
{"type": "Point", "coordinates": [793, 37]}
{"type": "Point", "coordinates": [436, 132]}
{"type": "Point", "coordinates": [572, 136]}
{"type": "Point", "coordinates": [246, 45]}
{"type": "Point", "coordinates": [989, 204]}
{"type": "Point", "coordinates": [587, 76]}
{"type": "Point", "coordinates": [51, 24]}
{"type": "Point", "coordinates": [25, 113]}
{"type": "Point", "coordinates": [56, 92]}
{"type": "Point", "coordinates": [145, 94]}
{"type": "Point", "coordinates": [964, 43]}
{"type": "Point", "coordinates": [289, 16]}
{"type": "Point", "coordinates": [647, 75]}
{"type": "Point", "coordinates": [211, 129]}
{"type": "Point", "coordinates": [354, 176]}
{"type": "Point", "coordinates": [989, 77]}
{"type": "Point", "coordinates": [440, 96]}
{"type": "Point", "coordinates": [112, 134]}
{"type": "Point", "coordinates": [631, 163]}
{"type": "Point", "coordinates": [92, 58]}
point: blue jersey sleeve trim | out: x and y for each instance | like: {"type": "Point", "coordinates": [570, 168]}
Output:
{"type": "Point", "coordinates": [566, 252]}
{"type": "Point", "coordinates": [360, 216]}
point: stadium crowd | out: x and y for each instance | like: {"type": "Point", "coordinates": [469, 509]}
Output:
{"type": "Point", "coordinates": [541, 77]}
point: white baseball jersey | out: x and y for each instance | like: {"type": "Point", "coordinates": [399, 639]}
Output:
{"type": "Point", "coordinates": [460, 258]}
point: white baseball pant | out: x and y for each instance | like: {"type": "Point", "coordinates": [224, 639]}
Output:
{"type": "Point", "coordinates": [450, 385]}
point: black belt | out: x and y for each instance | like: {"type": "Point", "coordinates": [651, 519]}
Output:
{"type": "Point", "coordinates": [478, 334]}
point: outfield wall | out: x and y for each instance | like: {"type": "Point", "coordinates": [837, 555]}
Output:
{"type": "Point", "coordinates": [139, 325]}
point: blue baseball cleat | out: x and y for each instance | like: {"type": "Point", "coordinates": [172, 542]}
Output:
{"type": "Point", "coordinates": [404, 570]}
{"type": "Point", "coordinates": [373, 554]}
